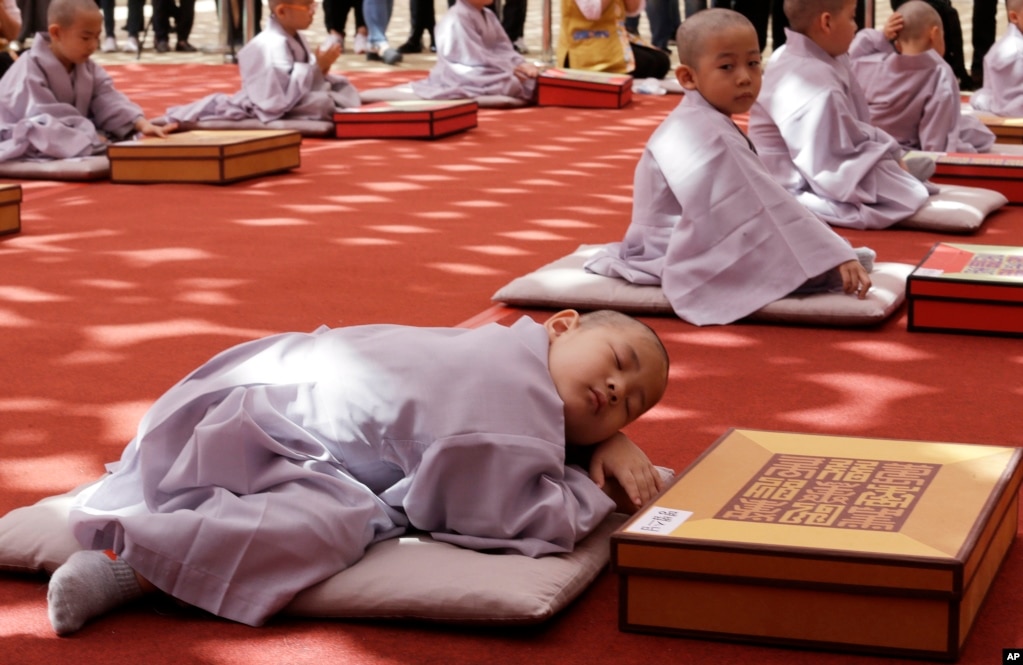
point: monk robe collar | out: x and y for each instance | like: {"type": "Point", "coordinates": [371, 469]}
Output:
{"type": "Point", "coordinates": [694, 97]}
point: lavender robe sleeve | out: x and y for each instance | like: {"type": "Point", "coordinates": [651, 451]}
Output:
{"type": "Point", "coordinates": [711, 225]}
{"type": "Point", "coordinates": [1002, 93]}
{"type": "Point", "coordinates": [853, 178]}
{"type": "Point", "coordinates": [869, 42]}
{"type": "Point", "coordinates": [474, 58]}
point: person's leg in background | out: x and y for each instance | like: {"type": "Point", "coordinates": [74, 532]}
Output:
{"type": "Point", "coordinates": [985, 23]}
{"type": "Point", "coordinates": [422, 20]}
{"type": "Point", "coordinates": [109, 44]}
{"type": "Point", "coordinates": [378, 17]}
{"type": "Point", "coordinates": [693, 6]}
{"type": "Point", "coordinates": [513, 20]}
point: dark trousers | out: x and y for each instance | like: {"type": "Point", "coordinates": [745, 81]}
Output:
{"type": "Point", "coordinates": [984, 21]}
{"type": "Point", "coordinates": [184, 18]}
{"type": "Point", "coordinates": [513, 18]}
{"type": "Point", "coordinates": [422, 18]}
{"type": "Point", "coordinates": [335, 14]}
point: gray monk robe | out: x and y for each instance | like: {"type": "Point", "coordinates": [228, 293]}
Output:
{"type": "Point", "coordinates": [48, 112]}
{"type": "Point", "coordinates": [711, 226]}
{"type": "Point", "coordinates": [278, 462]}
{"type": "Point", "coordinates": [280, 80]}
{"type": "Point", "coordinates": [812, 129]}
{"type": "Point", "coordinates": [474, 58]}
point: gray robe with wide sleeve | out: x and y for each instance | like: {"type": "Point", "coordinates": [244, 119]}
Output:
{"type": "Point", "coordinates": [47, 112]}
{"type": "Point", "coordinates": [474, 58]}
{"type": "Point", "coordinates": [915, 98]}
{"type": "Point", "coordinates": [280, 80]}
{"type": "Point", "coordinates": [1002, 93]}
{"type": "Point", "coordinates": [711, 226]}
{"type": "Point", "coordinates": [812, 129]}
{"type": "Point", "coordinates": [278, 462]}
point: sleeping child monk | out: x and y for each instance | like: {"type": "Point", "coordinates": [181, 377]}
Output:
{"type": "Point", "coordinates": [475, 58]}
{"type": "Point", "coordinates": [709, 224]}
{"type": "Point", "coordinates": [913, 94]}
{"type": "Point", "coordinates": [276, 463]}
{"type": "Point", "coordinates": [1002, 93]}
{"type": "Point", "coordinates": [282, 78]}
{"type": "Point", "coordinates": [55, 102]}
{"type": "Point", "coordinates": [813, 131]}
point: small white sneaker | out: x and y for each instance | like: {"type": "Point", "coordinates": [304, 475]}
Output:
{"type": "Point", "coordinates": [361, 43]}
{"type": "Point", "coordinates": [109, 45]}
{"type": "Point", "coordinates": [131, 46]}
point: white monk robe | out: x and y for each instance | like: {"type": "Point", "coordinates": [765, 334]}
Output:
{"type": "Point", "coordinates": [474, 58]}
{"type": "Point", "coordinates": [915, 98]}
{"type": "Point", "coordinates": [47, 112]}
{"type": "Point", "coordinates": [278, 462]}
{"type": "Point", "coordinates": [280, 80]}
{"type": "Point", "coordinates": [712, 227]}
{"type": "Point", "coordinates": [812, 129]}
{"type": "Point", "coordinates": [1002, 93]}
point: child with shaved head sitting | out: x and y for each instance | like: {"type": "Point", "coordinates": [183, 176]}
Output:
{"type": "Point", "coordinates": [1002, 93]}
{"type": "Point", "coordinates": [55, 102]}
{"type": "Point", "coordinates": [813, 130]}
{"type": "Point", "coordinates": [709, 224]}
{"type": "Point", "coordinates": [913, 94]}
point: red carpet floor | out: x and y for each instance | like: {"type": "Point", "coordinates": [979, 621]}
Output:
{"type": "Point", "coordinates": [112, 292]}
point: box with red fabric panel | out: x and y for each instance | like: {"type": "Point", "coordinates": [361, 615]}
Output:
{"type": "Point", "coordinates": [966, 288]}
{"type": "Point", "coordinates": [838, 543]}
{"type": "Point", "coordinates": [583, 89]}
{"type": "Point", "coordinates": [409, 119]}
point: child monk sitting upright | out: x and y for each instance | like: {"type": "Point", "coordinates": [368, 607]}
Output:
{"type": "Point", "coordinates": [709, 224]}
{"type": "Point", "coordinates": [475, 58]}
{"type": "Point", "coordinates": [282, 78]}
{"type": "Point", "coordinates": [55, 102]}
{"type": "Point", "coordinates": [278, 462]}
{"type": "Point", "coordinates": [913, 94]}
{"type": "Point", "coordinates": [1002, 93]}
{"type": "Point", "coordinates": [813, 131]}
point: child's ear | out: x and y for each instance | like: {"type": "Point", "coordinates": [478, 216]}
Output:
{"type": "Point", "coordinates": [686, 77]}
{"type": "Point", "coordinates": [562, 322]}
{"type": "Point", "coordinates": [54, 30]}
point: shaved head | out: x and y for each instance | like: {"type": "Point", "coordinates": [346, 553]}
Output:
{"type": "Point", "coordinates": [801, 13]}
{"type": "Point", "coordinates": [1013, 5]}
{"type": "Point", "coordinates": [63, 12]}
{"type": "Point", "coordinates": [918, 17]}
{"type": "Point", "coordinates": [695, 30]}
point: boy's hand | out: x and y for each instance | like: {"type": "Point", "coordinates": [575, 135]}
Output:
{"type": "Point", "coordinates": [893, 26]}
{"type": "Point", "coordinates": [526, 70]}
{"type": "Point", "coordinates": [620, 459]}
{"type": "Point", "coordinates": [855, 278]}
{"type": "Point", "coordinates": [146, 128]}
{"type": "Point", "coordinates": [326, 57]}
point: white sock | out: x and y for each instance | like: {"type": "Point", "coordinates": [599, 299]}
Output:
{"type": "Point", "coordinates": [866, 256]}
{"type": "Point", "coordinates": [89, 584]}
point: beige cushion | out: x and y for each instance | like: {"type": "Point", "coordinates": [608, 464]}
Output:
{"type": "Point", "coordinates": [955, 209]}
{"type": "Point", "coordinates": [96, 167]}
{"type": "Point", "coordinates": [411, 577]}
{"type": "Point", "coordinates": [403, 92]}
{"type": "Point", "coordinates": [566, 284]}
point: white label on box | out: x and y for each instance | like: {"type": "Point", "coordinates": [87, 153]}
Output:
{"type": "Point", "coordinates": [930, 272]}
{"type": "Point", "coordinates": [658, 521]}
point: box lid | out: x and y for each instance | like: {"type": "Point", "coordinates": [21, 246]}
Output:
{"type": "Point", "coordinates": [199, 143]}
{"type": "Point", "coordinates": [826, 510]}
{"type": "Point", "coordinates": [412, 110]}
{"type": "Point", "coordinates": [10, 193]}
{"type": "Point", "coordinates": [583, 78]}
{"type": "Point", "coordinates": [972, 272]}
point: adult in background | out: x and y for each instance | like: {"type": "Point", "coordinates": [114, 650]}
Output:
{"type": "Point", "coordinates": [984, 21]}
{"type": "Point", "coordinates": [184, 17]}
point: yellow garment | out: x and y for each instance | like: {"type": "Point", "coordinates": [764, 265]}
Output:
{"type": "Point", "coordinates": [601, 45]}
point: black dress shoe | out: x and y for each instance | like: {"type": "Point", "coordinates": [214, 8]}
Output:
{"type": "Point", "coordinates": [184, 47]}
{"type": "Point", "coordinates": [411, 46]}
{"type": "Point", "coordinates": [162, 46]}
